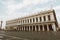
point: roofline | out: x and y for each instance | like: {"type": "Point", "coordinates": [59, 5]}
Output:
{"type": "Point", "coordinates": [39, 13]}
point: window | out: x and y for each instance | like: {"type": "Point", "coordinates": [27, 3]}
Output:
{"type": "Point", "coordinates": [23, 21]}
{"type": "Point", "coordinates": [36, 19]}
{"type": "Point", "coordinates": [33, 20]}
{"type": "Point", "coordinates": [19, 21]}
{"type": "Point", "coordinates": [41, 27]}
{"type": "Point", "coordinates": [30, 20]}
{"type": "Point", "coordinates": [44, 18]}
{"type": "Point", "coordinates": [40, 19]}
{"type": "Point", "coordinates": [49, 17]}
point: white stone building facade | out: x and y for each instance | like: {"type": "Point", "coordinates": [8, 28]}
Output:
{"type": "Point", "coordinates": [1, 25]}
{"type": "Point", "coordinates": [43, 21]}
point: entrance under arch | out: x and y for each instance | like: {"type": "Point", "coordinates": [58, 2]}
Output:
{"type": "Point", "coordinates": [50, 27]}
{"type": "Point", "coordinates": [30, 28]}
{"type": "Point", "coordinates": [45, 27]}
{"type": "Point", "coordinates": [33, 28]}
{"type": "Point", "coordinates": [41, 27]}
{"type": "Point", "coordinates": [37, 27]}
{"type": "Point", "coordinates": [23, 28]}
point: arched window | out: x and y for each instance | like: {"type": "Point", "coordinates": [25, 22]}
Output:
{"type": "Point", "coordinates": [44, 18]}
{"type": "Point", "coordinates": [30, 20]}
{"type": "Point", "coordinates": [40, 19]}
{"type": "Point", "coordinates": [33, 20]}
{"type": "Point", "coordinates": [49, 17]}
{"type": "Point", "coordinates": [36, 19]}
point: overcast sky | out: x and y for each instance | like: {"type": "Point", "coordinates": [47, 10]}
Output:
{"type": "Point", "coordinates": [11, 9]}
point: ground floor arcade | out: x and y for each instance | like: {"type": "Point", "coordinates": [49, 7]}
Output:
{"type": "Point", "coordinates": [45, 27]}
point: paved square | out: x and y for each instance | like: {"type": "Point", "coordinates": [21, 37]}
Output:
{"type": "Point", "coordinates": [23, 35]}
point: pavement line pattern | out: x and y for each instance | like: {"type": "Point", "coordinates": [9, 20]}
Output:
{"type": "Point", "coordinates": [1, 36]}
{"type": "Point", "coordinates": [0, 39]}
{"type": "Point", "coordinates": [14, 37]}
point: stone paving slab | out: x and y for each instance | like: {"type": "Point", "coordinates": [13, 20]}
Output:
{"type": "Point", "coordinates": [16, 35]}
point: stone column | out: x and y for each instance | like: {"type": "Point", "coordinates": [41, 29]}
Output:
{"type": "Point", "coordinates": [46, 18]}
{"type": "Point", "coordinates": [38, 19]}
{"type": "Point", "coordinates": [24, 28]}
{"type": "Point", "coordinates": [43, 27]}
{"type": "Point", "coordinates": [21, 28]}
{"type": "Point", "coordinates": [35, 20]}
{"type": "Point", "coordinates": [32, 20]}
{"type": "Point", "coordinates": [29, 20]}
{"type": "Point", "coordinates": [54, 27]}
{"type": "Point", "coordinates": [35, 28]}
{"type": "Point", "coordinates": [42, 19]}
{"type": "Point", "coordinates": [18, 28]}
{"type": "Point", "coordinates": [47, 28]}
{"type": "Point", "coordinates": [26, 21]}
{"type": "Point", "coordinates": [39, 27]}
{"type": "Point", "coordinates": [32, 28]}
{"type": "Point", "coordinates": [29, 28]}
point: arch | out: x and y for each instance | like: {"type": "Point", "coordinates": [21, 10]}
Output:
{"type": "Point", "coordinates": [50, 27]}
{"type": "Point", "coordinates": [45, 27]}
